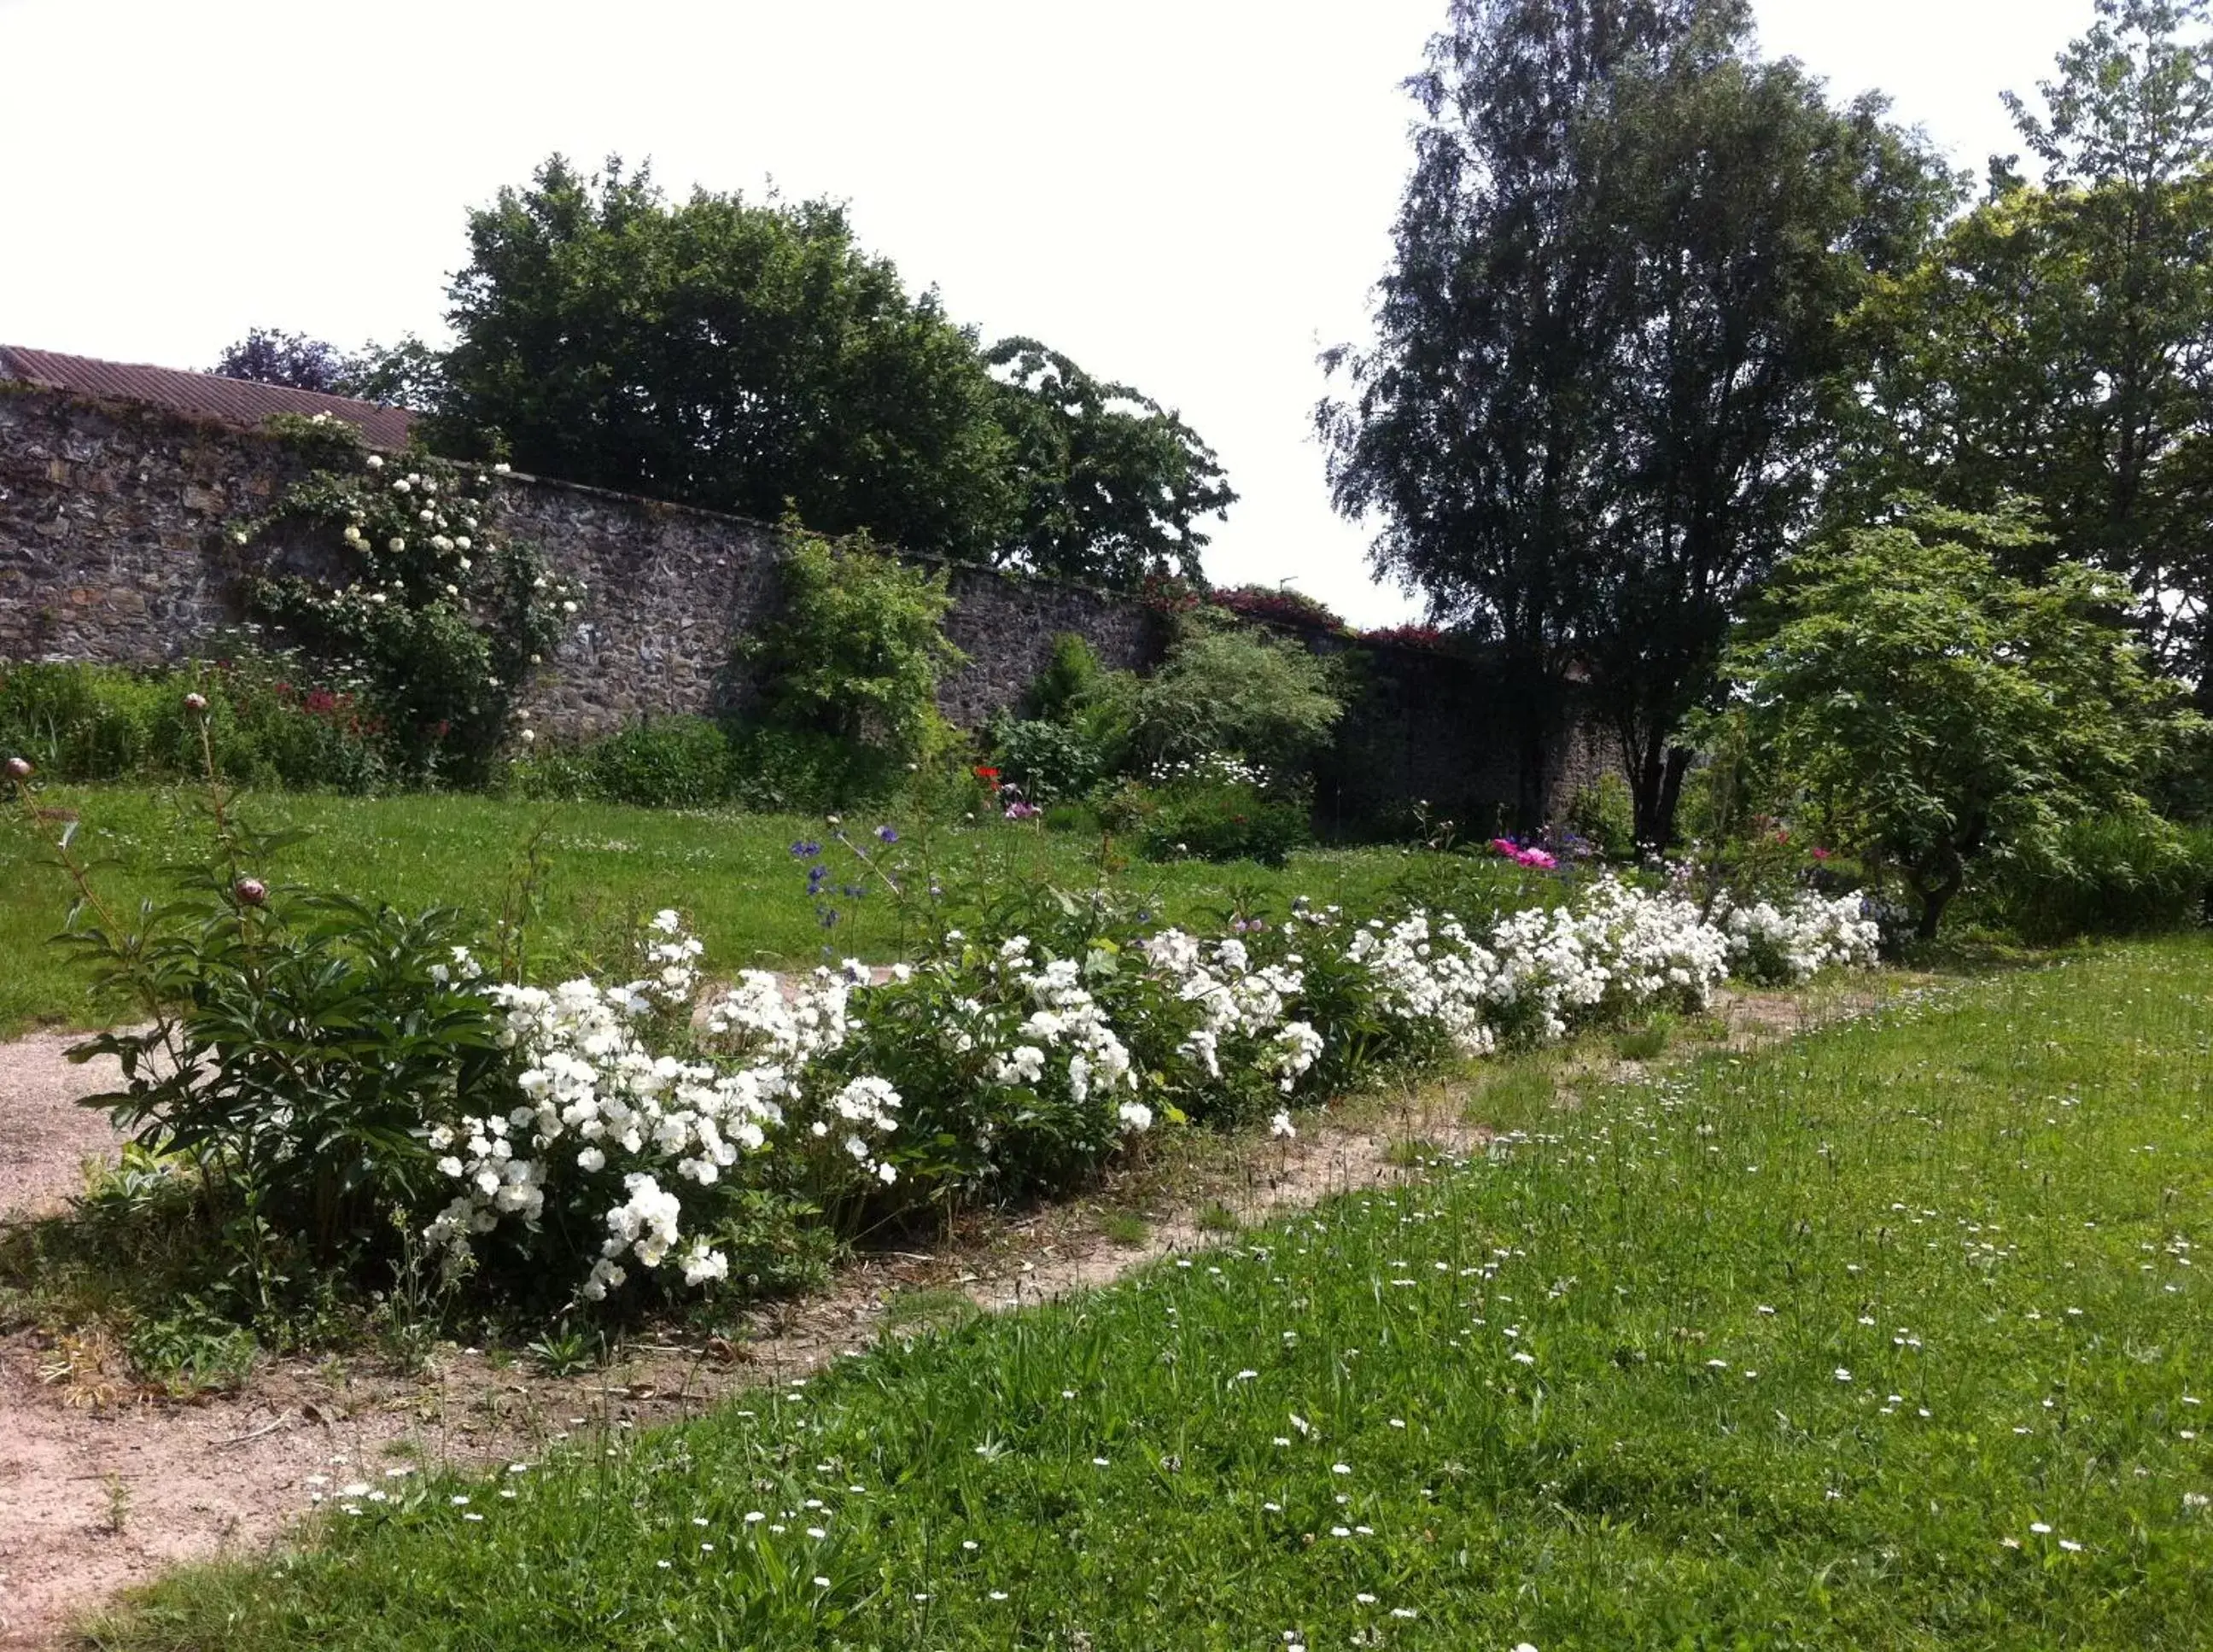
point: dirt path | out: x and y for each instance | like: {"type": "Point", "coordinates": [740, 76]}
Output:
{"type": "Point", "coordinates": [102, 1486]}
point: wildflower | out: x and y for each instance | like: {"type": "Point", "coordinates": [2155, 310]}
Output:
{"type": "Point", "coordinates": [195, 703]}
{"type": "Point", "coordinates": [1280, 1126]}
{"type": "Point", "coordinates": [888, 834]}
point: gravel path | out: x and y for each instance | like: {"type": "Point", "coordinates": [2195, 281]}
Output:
{"type": "Point", "coordinates": [45, 1136]}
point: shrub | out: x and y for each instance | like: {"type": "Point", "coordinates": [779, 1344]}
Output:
{"type": "Point", "coordinates": [269, 722]}
{"type": "Point", "coordinates": [1943, 713]}
{"type": "Point", "coordinates": [1603, 814]}
{"type": "Point", "coordinates": [1071, 677]}
{"type": "Point", "coordinates": [352, 1086]}
{"type": "Point", "coordinates": [442, 618]}
{"type": "Point", "coordinates": [663, 763]}
{"type": "Point", "coordinates": [2109, 875]}
{"type": "Point", "coordinates": [1281, 605]}
{"type": "Point", "coordinates": [1800, 935]}
{"type": "Point", "coordinates": [856, 651]}
{"type": "Point", "coordinates": [1045, 762]}
{"type": "Point", "coordinates": [1215, 809]}
{"type": "Point", "coordinates": [1236, 690]}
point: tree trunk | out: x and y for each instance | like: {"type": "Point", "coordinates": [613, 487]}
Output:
{"type": "Point", "coordinates": [1530, 706]}
{"type": "Point", "coordinates": [1655, 770]}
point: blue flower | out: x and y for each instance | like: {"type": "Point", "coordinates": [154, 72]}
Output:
{"type": "Point", "coordinates": [805, 850]}
{"type": "Point", "coordinates": [887, 834]}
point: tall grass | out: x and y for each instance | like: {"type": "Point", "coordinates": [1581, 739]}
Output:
{"type": "Point", "coordinates": [1892, 1337]}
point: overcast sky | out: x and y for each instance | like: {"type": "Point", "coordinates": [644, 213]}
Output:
{"type": "Point", "coordinates": [1193, 196]}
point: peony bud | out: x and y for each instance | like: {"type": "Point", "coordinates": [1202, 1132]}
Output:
{"type": "Point", "coordinates": [250, 892]}
{"type": "Point", "coordinates": [19, 768]}
{"type": "Point", "coordinates": [195, 703]}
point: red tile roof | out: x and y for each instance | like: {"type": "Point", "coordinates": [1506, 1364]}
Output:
{"type": "Point", "coordinates": [234, 401]}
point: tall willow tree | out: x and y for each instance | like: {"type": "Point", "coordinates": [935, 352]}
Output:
{"type": "Point", "coordinates": [1605, 346]}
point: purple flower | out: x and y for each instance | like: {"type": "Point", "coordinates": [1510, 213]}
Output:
{"type": "Point", "coordinates": [887, 834]}
{"type": "Point", "coordinates": [805, 850]}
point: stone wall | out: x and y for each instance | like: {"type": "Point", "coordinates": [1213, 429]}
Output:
{"type": "Point", "coordinates": [112, 549]}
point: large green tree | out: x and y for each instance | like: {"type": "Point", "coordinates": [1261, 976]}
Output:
{"type": "Point", "coordinates": [722, 352]}
{"type": "Point", "coordinates": [1608, 348]}
{"type": "Point", "coordinates": [1750, 216]}
{"type": "Point", "coordinates": [2058, 342]}
{"type": "Point", "coordinates": [1468, 434]}
{"type": "Point", "coordinates": [751, 356]}
{"type": "Point", "coordinates": [1109, 484]}
{"type": "Point", "coordinates": [1933, 711]}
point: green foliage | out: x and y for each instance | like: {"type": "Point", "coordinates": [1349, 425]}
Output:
{"type": "Point", "coordinates": [2105, 874]}
{"type": "Point", "coordinates": [1628, 1445]}
{"type": "Point", "coordinates": [2053, 342]}
{"type": "Point", "coordinates": [1235, 689]}
{"type": "Point", "coordinates": [742, 356]}
{"type": "Point", "coordinates": [855, 654]}
{"type": "Point", "coordinates": [269, 720]}
{"type": "Point", "coordinates": [1605, 814]}
{"type": "Point", "coordinates": [1933, 711]}
{"type": "Point", "coordinates": [296, 1042]}
{"type": "Point", "coordinates": [662, 763]}
{"type": "Point", "coordinates": [1071, 677]}
{"type": "Point", "coordinates": [1213, 811]}
{"type": "Point", "coordinates": [439, 617]}
{"type": "Point", "coordinates": [1608, 346]}
{"type": "Point", "coordinates": [324, 442]}
{"type": "Point", "coordinates": [1045, 762]}
{"type": "Point", "coordinates": [1109, 485]}
{"type": "Point", "coordinates": [750, 356]}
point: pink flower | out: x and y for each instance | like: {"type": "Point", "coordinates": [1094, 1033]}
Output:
{"type": "Point", "coordinates": [250, 892]}
{"type": "Point", "coordinates": [1023, 811]}
{"type": "Point", "coordinates": [19, 768]}
{"type": "Point", "coordinates": [195, 703]}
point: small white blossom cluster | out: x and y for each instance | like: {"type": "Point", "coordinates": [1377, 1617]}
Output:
{"type": "Point", "coordinates": [1805, 934]}
{"type": "Point", "coordinates": [1219, 767]}
{"type": "Point", "coordinates": [1236, 1002]}
{"type": "Point", "coordinates": [1066, 1029]}
{"type": "Point", "coordinates": [600, 1108]}
{"type": "Point", "coordinates": [1431, 975]}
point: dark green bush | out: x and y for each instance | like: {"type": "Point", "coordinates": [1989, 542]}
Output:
{"type": "Point", "coordinates": [1213, 820]}
{"type": "Point", "coordinates": [1604, 814]}
{"type": "Point", "coordinates": [1071, 676]}
{"type": "Point", "coordinates": [2113, 875]}
{"type": "Point", "coordinates": [667, 763]}
{"type": "Point", "coordinates": [1045, 762]}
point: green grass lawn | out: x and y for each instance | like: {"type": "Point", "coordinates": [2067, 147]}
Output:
{"type": "Point", "coordinates": [1886, 1337]}
{"type": "Point", "coordinates": [604, 866]}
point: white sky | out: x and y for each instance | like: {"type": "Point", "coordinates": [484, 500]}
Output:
{"type": "Point", "coordinates": [1192, 195]}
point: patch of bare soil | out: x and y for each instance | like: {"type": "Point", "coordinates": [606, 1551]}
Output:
{"type": "Point", "coordinates": [102, 1485]}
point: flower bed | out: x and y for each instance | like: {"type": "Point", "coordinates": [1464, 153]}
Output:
{"type": "Point", "coordinates": [350, 1087]}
